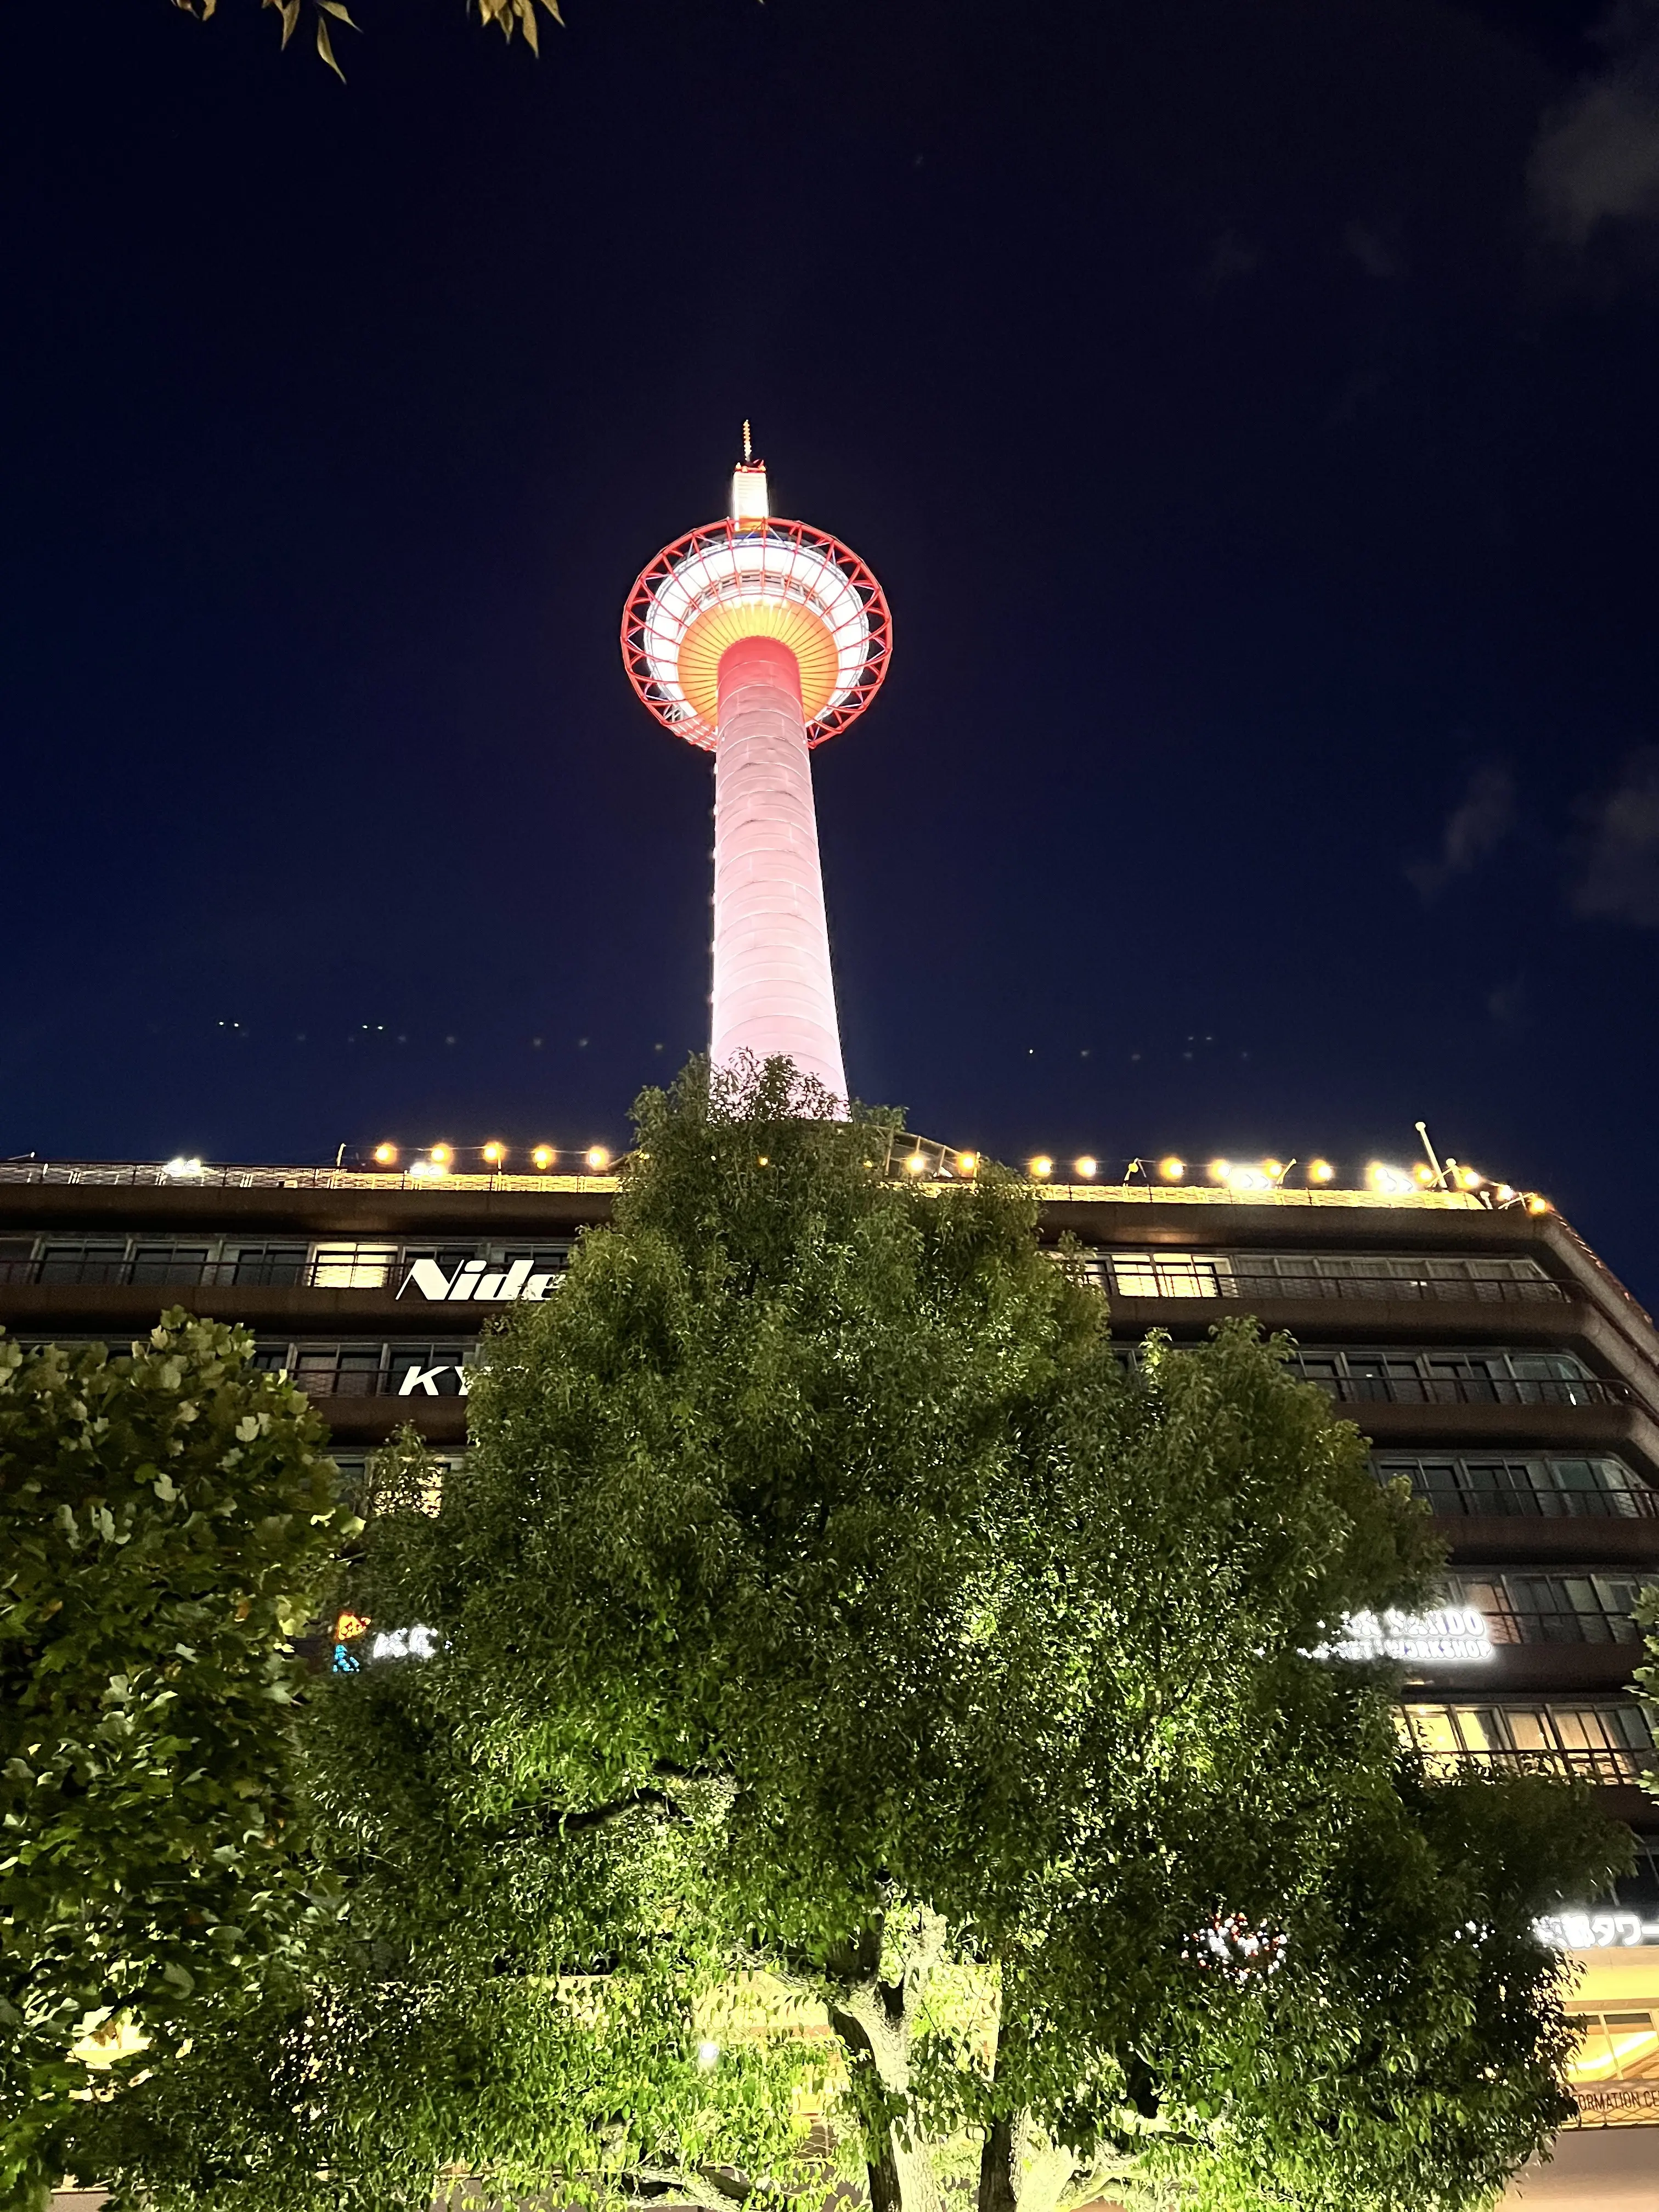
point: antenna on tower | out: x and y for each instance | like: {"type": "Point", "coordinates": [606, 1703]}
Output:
{"type": "Point", "coordinates": [748, 448]}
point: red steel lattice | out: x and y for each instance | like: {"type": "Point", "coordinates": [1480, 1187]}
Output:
{"type": "Point", "coordinates": [752, 536]}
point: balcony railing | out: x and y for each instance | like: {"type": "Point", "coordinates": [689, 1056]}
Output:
{"type": "Point", "coordinates": [1251, 1286]}
{"type": "Point", "coordinates": [1512, 1626]}
{"type": "Point", "coordinates": [1473, 1389]}
{"type": "Point", "coordinates": [267, 1272]}
{"type": "Point", "coordinates": [442, 1379]}
{"type": "Point", "coordinates": [1506, 1492]}
{"type": "Point", "coordinates": [1605, 1763]}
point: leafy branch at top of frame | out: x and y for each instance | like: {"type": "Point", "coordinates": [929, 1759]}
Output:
{"type": "Point", "coordinates": [508, 14]}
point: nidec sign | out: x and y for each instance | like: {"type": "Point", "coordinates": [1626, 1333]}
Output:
{"type": "Point", "coordinates": [476, 1281]}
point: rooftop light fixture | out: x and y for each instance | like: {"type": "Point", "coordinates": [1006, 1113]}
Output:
{"type": "Point", "coordinates": [1321, 1171]}
{"type": "Point", "coordinates": [180, 1166]}
{"type": "Point", "coordinates": [598, 1159]}
{"type": "Point", "coordinates": [1536, 1204]}
{"type": "Point", "coordinates": [966, 1163]}
{"type": "Point", "coordinates": [1042, 1167]}
{"type": "Point", "coordinates": [441, 1156]}
{"type": "Point", "coordinates": [386, 1156]}
{"type": "Point", "coordinates": [1389, 1183]}
{"type": "Point", "coordinates": [1087, 1169]}
{"type": "Point", "coordinates": [1171, 1169]}
{"type": "Point", "coordinates": [543, 1156]}
{"type": "Point", "coordinates": [916, 1164]}
{"type": "Point", "coordinates": [494, 1153]}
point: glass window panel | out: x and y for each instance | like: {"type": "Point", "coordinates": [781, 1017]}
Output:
{"type": "Point", "coordinates": [355, 1266]}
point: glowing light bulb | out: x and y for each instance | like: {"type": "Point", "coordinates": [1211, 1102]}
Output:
{"type": "Point", "coordinates": [494, 1153]}
{"type": "Point", "coordinates": [598, 1159]}
{"type": "Point", "coordinates": [1274, 1168]}
{"type": "Point", "coordinates": [543, 1155]}
{"type": "Point", "coordinates": [386, 1156]}
{"type": "Point", "coordinates": [1087, 1169]}
{"type": "Point", "coordinates": [966, 1163]}
{"type": "Point", "coordinates": [1469, 1179]}
{"type": "Point", "coordinates": [916, 1164]}
{"type": "Point", "coordinates": [1392, 1182]}
{"type": "Point", "coordinates": [179, 1165]}
{"type": "Point", "coordinates": [441, 1156]}
{"type": "Point", "coordinates": [1536, 1204]}
{"type": "Point", "coordinates": [1321, 1171]}
{"type": "Point", "coordinates": [1505, 1192]}
{"type": "Point", "coordinates": [1424, 1173]}
{"type": "Point", "coordinates": [1041, 1166]}
{"type": "Point", "coordinates": [1172, 1170]}
{"type": "Point", "coordinates": [1219, 1170]}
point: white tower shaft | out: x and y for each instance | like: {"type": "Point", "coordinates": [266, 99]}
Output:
{"type": "Point", "coordinates": [774, 990]}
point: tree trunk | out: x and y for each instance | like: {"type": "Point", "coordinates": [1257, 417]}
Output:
{"type": "Point", "coordinates": [876, 2021]}
{"type": "Point", "coordinates": [1021, 2169]}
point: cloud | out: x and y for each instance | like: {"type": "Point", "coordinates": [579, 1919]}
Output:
{"type": "Point", "coordinates": [1617, 853]}
{"type": "Point", "coordinates": [1482, 819]}
{"type": "Point", "coordinates": [1597, 158]}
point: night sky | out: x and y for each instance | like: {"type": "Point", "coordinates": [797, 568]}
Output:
{"type": "Point", "coordinates": [1248, 405]}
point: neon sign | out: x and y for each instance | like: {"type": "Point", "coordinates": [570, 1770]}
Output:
{"type": "Point", "coordinates": [1450, 1632]}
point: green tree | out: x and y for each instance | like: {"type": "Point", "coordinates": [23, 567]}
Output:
{"type": "Point", "coordinates": [825, 1600]}
{"type": "Point", "coordinates": [166, 1518]}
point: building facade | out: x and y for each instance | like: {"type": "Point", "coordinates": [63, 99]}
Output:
{"type": "Point", "coordinates": [1488, 1356]}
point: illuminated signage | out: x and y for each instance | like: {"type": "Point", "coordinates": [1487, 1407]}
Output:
{"type": "Point", "coordinates": [422, 1382]}
{"type": "Point", "coordinates": [417, 1643]}
{"type": "Point", "coordinates": [1450, 1632]}
{"type": "Point", "coordinates": [477, 1280]}
{"type": "Point", "coordinates": [1595, 1931]}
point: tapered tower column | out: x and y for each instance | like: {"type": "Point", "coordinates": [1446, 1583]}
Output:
{"type": "Point", "coordinates": [757, 638]}
{"type": "Point", "coordinates": [774, 989]}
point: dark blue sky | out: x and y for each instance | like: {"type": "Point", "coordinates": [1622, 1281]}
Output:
{"type": "Point", "coordinates": [1250, 410]}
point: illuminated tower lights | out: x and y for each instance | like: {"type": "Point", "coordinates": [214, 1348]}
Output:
{"type": "Point", "coordinates": [757, 638]}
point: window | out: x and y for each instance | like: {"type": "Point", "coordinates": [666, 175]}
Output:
{"type": "Point", "coordinates": [372, 1371]}
{"type": "Point", "coordinates": [1553, 1609]}
{"type": "Point", "coordinates": [354, 1267]}
{"type": "Point", "coordinates": [1454, 1377]}
{"type": "Point", "coordinates": [261, 1265]}
{"type": "Point", "coordinates": [1308, 1275]}
{"type": "Point", "coordinates": [1170, 1275]}
{"type": "Point", "coordinates": [1604, 1742]}
{"type": "Point", "coordinates": [169, 1263]}
{"type": "Point", "coordinates": [1529, 1483]}
{"type": "Point", "coordinates": [96, 1263]}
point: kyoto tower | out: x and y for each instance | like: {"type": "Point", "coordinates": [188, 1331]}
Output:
{"type": "Point", "coordinates": [757, 639]}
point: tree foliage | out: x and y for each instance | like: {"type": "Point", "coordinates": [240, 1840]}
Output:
{"type": "Point", "coordinates": [166, 1520]}
{"type": "Point", "coordinates": [856, 1687]}
{"type": "Point", "coordinates": [508, 16]}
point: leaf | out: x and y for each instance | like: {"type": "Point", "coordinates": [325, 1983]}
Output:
{"type": "Point", "coordinates": [334, 9]}
{"type": "Point", "coordinates": [290, 17]}
{"type": "Point", "coordinates": [325, 49]}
